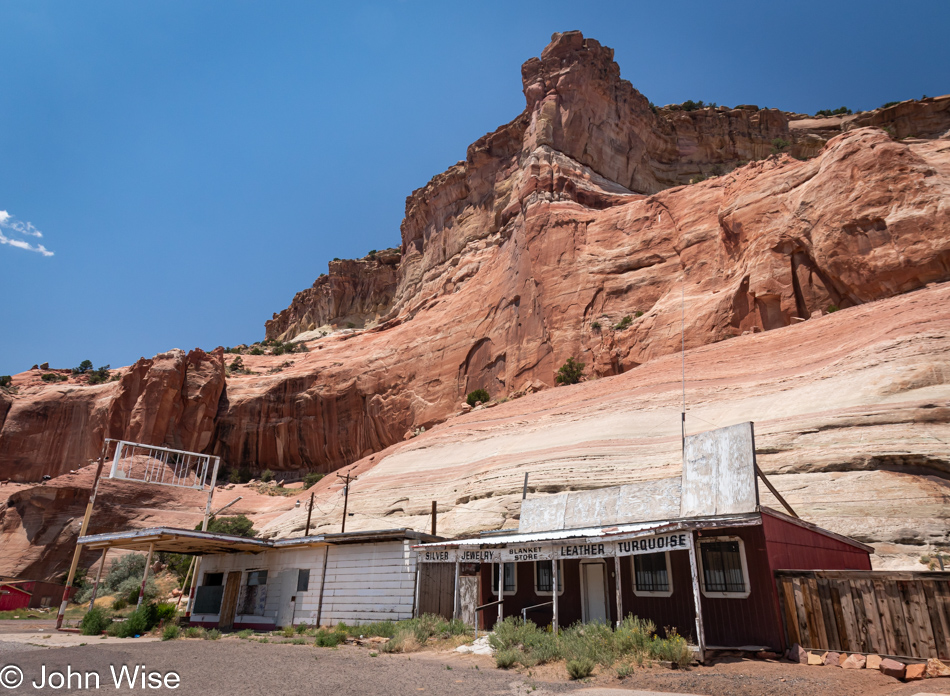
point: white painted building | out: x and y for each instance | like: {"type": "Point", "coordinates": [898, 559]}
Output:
{"type": "Point", "coordinates": [355, 577]}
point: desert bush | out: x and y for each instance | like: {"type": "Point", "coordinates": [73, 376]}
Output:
{"type": "Point", "coordinates": [638, 314]}
{"type": "Point", "coordinates": [623, 323]}
{"type": "Point", "coordinates": [302, 628]}
{"type": "Point", "coordinates": [84, 367]}
{"type": "Point", "coordinates": [310, 479]}
{"type": "Point", "coordinates": [507, 658]}
{"type": "Point", "coordinates": [534, 645]}
{"type": "Point", "coordinates": [690, 105]}
{"type": "Point", "coordinates": [834, 112]}
{"type": "Point", "coordinates": [288, 631]}
{"type": "Point", "coordinates": [166, 612]}
{"type": "Point", "coordinates": [570, 372]}
{"type": "Point", "coordinates": [832, 308]}
{"type": "Point", "coordinates": [213, 634]}
{"type": "Point", "coordinates": [267, 475]}
{"type": "Point", "coordinates": [887, 104]}
{"type": "Point", "coordinates": [256, 350]}
{"type": "Point", "coordinates": [120, 604]}
{"type": "Point", "coordinates": [5, 380]}
{"type": "Point", "coordinates": [194, 632]}
{"type": "Point", "coordinates": [779, 145]}
{"type": "Point", "coordinates": [53, 377]}
{"type": "Point", "coordinates": [245, 633]}
{"type": "Point", "coordinates": [624, 670]}
{"type": "Point", "coordinates": [171, 632]}
{"type": "Point", "coordinates": [595, 325]}
{"type": "Point", "coordinates": [328, 639]}
{"type": "Point", "coordinates": [99, 375]}
{"type": "Point", "coordinates": [476, 396]}
{"type": "Point", "coordinates": [580, 668]}
{"type": "Point", "coordinates": [94, 622]}
{"type": "Point", "coordinates": [238, 525]}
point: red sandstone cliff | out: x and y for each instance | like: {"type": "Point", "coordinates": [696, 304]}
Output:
{"type": "Point", "coordinates": [552, 230]}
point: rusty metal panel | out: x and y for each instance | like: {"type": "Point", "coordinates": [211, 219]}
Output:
{"type": "Point", "coordinates": [543, 514]}
{"type": "Point", "coordinates": [719, 472]}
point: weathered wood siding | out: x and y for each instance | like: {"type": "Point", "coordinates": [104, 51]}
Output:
{"type": "Point", "coordinates": [904, 614]}
{"type": "Point", "coordinates": [365, 582]}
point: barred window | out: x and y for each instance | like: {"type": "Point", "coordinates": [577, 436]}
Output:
{"type": "Point", "coordinates": [542, 577]}
{"type": "Point", "coordinates": [651, 573]}
{"type": "Point", "coordinates": [510, 584]}
{"type": "Point", "coordinates": [722, 567]}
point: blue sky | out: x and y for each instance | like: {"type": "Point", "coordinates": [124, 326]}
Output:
{"type": "Point", "coordinates": [191, 165]}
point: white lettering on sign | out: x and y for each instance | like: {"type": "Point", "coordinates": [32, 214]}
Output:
{"type": "Point", "coordinates": [663, 542]}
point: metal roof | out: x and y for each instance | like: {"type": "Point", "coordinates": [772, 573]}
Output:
{"type": "Point", "coordinates": [622, 531]}
{"type": "Point", "coordinates": [175, 540]}
{"type": "Point", "coordinates": [190, 541]}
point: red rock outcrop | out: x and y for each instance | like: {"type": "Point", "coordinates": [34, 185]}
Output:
{"type": "Point", "coordinates": [568, 232]}
{"type": "Point", "coordinates": [355, 292]}
{"type": "Point", "coordinates": [171, 399]}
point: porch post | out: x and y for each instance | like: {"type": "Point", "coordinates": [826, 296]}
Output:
{"type": "Point", "coordinates": [697, 600]}
{"type": "Point", "coordinates": [148, 562]}
{"type": "Point", "coordinates": [554, 592]}
{"type": "Point", "coordinates": [455, 596]}
{"type": "Point", "coordinates": [617, 585]}
{"type": "Point", "coordinates": [501, 600]}
{"type": "Point", "coordinates": [95, 587]}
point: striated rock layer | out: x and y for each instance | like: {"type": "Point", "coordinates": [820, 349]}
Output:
{"type": "Point", "coordinates": [568, 232]}
{"type": "Point", "coordinates": [852, 421]}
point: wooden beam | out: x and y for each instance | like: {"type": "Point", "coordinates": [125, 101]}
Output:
{"type": "Point", "coordinates": [774, 492]}
{"type": "Point", "coordinates": [148, 562]}
{"type": "Point", "coordinates": [554, 593]}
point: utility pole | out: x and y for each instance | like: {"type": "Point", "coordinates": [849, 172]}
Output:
{"type": "Point", "coordinates": [346, 496]}
{"type": "Point", "coordinates": [309, 513]}
{"type": "Point", "coordinates": [435, 513]}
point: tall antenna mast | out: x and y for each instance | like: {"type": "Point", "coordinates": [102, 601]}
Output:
{"type": "Point", "coordinates": [683, 354]}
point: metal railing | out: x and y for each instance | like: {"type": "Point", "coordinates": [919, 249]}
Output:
{"type": "Point", "coordinates": [524, 612]}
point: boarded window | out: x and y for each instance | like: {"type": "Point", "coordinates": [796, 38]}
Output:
{"type": "Point", "coordinates": [722, 567]}
{"type": "Point", "coordinates": [303, 580]}
{"type": "Point", "coordinates": [257, 577]}
{"type": "Point", "coordinates": [510, 585]}
{"type": "Point", "coordinates": [543, 579]}
{"type": "Point", "coordinates": [650, 573]}
{"type": "Point", "coordinates": [208, 599]}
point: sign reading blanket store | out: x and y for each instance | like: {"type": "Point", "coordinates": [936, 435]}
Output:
{"type": "Point", "coordinates": [581, 548]}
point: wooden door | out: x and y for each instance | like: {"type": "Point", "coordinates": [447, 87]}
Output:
{"type": "Point", "coordinates": [436, 589]}
{"type": "Point", "coordinates": [229, 602]}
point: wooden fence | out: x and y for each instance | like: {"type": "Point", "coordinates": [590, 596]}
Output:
{"type": "Point", "coordinates": [904, 614]}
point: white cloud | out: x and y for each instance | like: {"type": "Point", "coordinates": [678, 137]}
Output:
{"type": "Point", "coordinates": [26, 229]}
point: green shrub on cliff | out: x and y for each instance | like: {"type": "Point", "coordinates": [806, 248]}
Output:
{"type": "Point", "coordinates": [570, 372]}
{"type": "Point", "coordinates": [476, 396]}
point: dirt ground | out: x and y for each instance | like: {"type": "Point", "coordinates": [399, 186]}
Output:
{"type": "Point", "coordinates": [234, 666]}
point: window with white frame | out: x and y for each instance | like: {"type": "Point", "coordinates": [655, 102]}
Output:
{"type": "Point", "coordinates": [651, 575]}
{"type": "Point", "coordinates": [723, 567]}
{"type": "Point", "coordinates": [510, 582]}
{"type": "Point", "coordinates": [543, 579]}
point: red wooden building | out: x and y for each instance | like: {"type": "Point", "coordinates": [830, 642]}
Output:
{"type": "Point", "coordinates": [28, 594]}
{"type": "Point", "coordinates": [696, 554]}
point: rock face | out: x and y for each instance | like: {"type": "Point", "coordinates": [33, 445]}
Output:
{"type": "Point", "coordinates": [572, 231]}
{"type": "Point", "coordinates": [356, 292]}
{"type": "Point", "coordinates": [171, 399]}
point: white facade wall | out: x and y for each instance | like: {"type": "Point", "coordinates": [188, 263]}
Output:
{"type": "Point", "coordinates": [365, 582]}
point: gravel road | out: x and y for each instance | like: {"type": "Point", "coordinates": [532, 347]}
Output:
{"type": "Point", "coordinates": [232, 666]}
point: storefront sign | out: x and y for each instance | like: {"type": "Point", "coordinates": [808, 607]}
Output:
{"type": "Point", "coordinates": [521, 554]}
{"type": "Point", "coordinates": [675, 541]}
{"type": "Point", "coordinates": [526, 553]}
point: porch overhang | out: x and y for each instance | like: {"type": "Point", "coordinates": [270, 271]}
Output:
{"type": "Point", "coordinates": [170, 539]}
